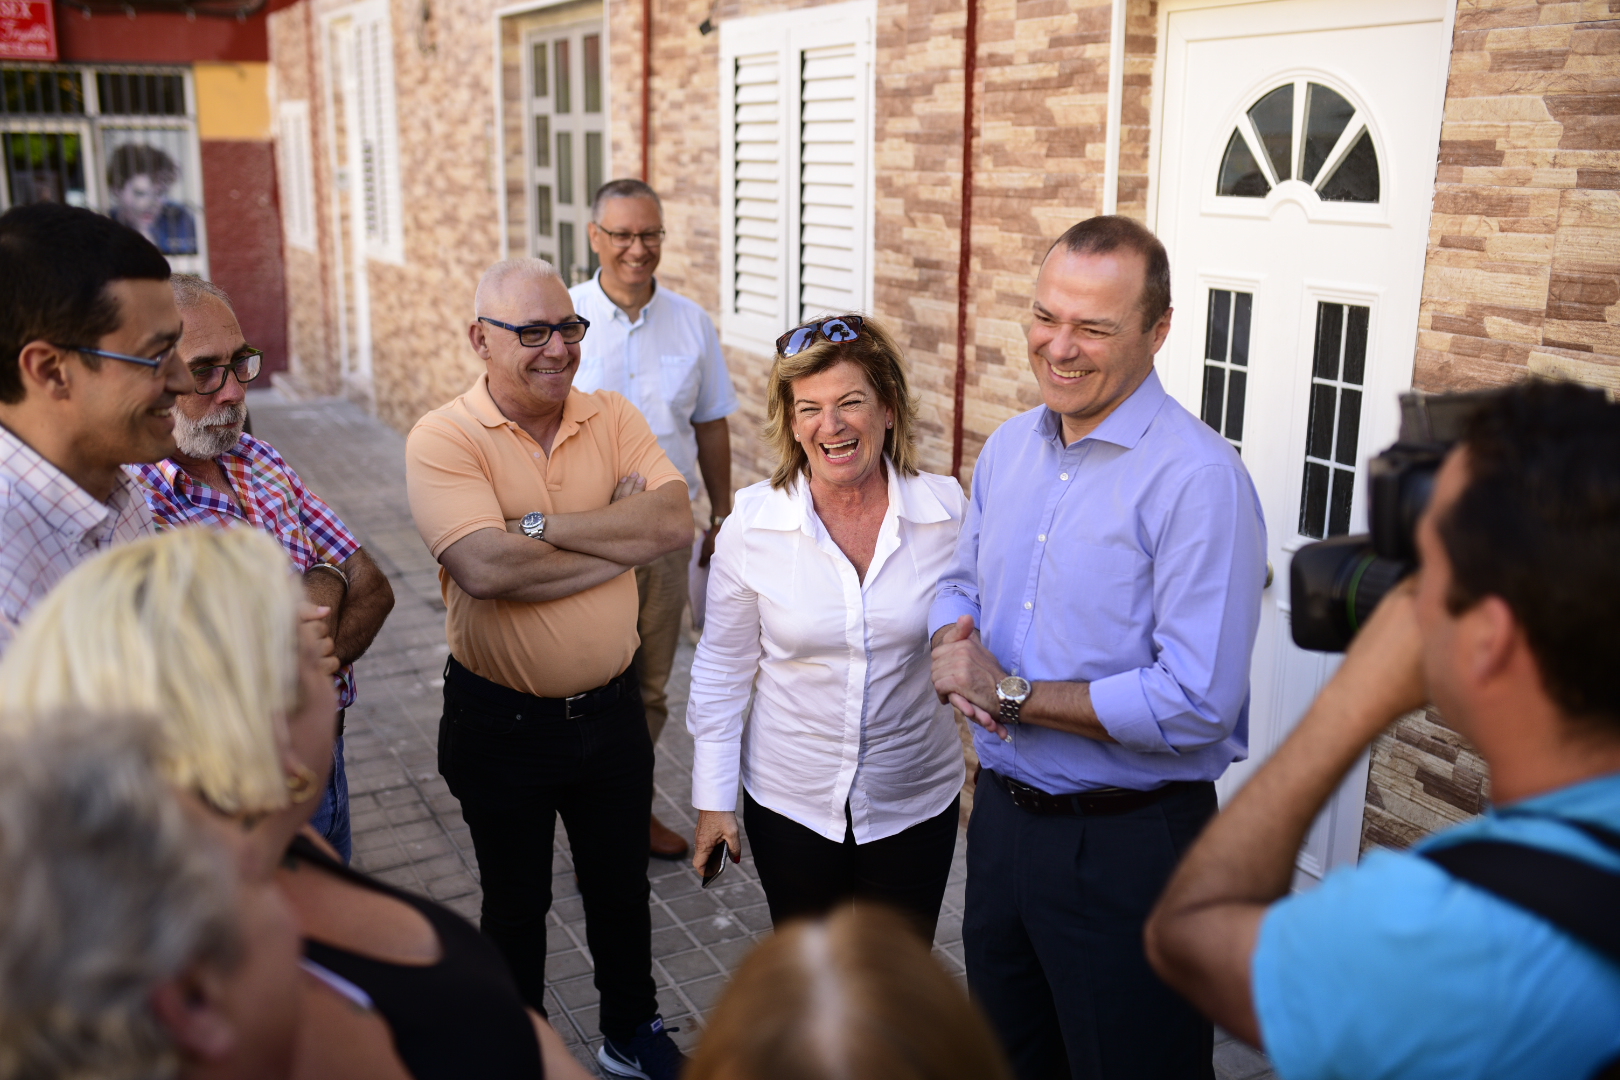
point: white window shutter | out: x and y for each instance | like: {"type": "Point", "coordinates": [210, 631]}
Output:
{"type": "Point", "coordinates": [796, 130]}
{"type": "Point", "coordinates": [378, 135]}
{"type": "Point", "coordinates": [759, 185]}
{"type": "Point", "coordinates": [297, 174]}
{"type": "Point", "coordinates": [829, 184]}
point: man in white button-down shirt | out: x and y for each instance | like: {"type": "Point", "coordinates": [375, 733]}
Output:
{"type": "Point", "coordinates": [660, 350]}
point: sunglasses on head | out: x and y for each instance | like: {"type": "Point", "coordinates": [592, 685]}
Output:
{"type": "Point", "coordinates": [843, 328]}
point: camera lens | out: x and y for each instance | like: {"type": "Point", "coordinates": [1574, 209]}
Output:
{"type": "Point", "coordinates": [1334, 586]}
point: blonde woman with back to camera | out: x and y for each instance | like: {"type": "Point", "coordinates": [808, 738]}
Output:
{"type": "Point", "coordinates": [818, 603]}
{"type": "Point", "coordinates": [849, 997]}
{"type": "Point", "coordinates": [204, 630]}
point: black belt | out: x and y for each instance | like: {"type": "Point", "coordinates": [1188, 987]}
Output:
{"type": "Point", "coordinates": [505, 699]}
{"type": "Point", "coordinates": [1099, 803]}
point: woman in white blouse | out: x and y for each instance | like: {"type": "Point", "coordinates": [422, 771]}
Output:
{"type": "Point", "coordinates": [818, 602]}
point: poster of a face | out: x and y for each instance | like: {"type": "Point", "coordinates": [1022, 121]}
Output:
{"type": "Point", "coordinates": [146, 189]}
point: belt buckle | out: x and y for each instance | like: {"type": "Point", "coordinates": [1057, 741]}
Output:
{"type": "Point", "coordinates": [569, 702]}
{"type": "Point", "coordinates": [1023, 795]}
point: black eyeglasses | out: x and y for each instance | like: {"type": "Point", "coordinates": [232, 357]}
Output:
{"type": "Point", "coordinates": [534, 335]}
{"type": "Point", "coordinates": [246, 364]}
{"type": "Point", "coordinates": [843, 328]}
{"type": "Point", "coordinates": [652, 238]}
{"type": "Point", "coordinates": [153, 362]}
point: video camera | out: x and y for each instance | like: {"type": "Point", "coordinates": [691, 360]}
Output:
{"type": "Point", "coordinates": [1334, 584]}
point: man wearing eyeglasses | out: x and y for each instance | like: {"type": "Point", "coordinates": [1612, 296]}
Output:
{"type": "Point", "coordinates": [660, 350]}
{"type": "Point", "coordinates": [538, 500]}
{"type": "Point", "coordinates": [219, 476]}
{"type": "Point", "coordinates": [88, 378]}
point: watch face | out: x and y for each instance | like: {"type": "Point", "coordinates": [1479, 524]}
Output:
{"type": "Point", "coordinates": [1014, 687]}
{"type": "Point", "coordinates": [532, 520]}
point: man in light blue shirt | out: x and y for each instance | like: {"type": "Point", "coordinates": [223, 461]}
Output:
{"type": "Point", "coordinates": [1404, 966]}
{"type": "Point", "coordinates": [1098, 626]}
{"type": "Point", "coordinates": [660, 350]}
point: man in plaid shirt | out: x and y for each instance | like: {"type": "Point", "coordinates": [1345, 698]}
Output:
{"type": "Point", "coordinates": [221, 477]}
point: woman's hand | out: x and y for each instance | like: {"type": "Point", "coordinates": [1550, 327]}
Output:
{"type": "Point", "coordinates": [714, 826]}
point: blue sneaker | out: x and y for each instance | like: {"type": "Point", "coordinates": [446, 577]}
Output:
{"type": "Point", "coordinates": [651, 1055]}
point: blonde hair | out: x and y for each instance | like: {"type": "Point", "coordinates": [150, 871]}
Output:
{"type": "Point", "coordinates": [878, 357]}
{"type": "Point", "coordinates": [855, 996]}
{"type": "Point", "coordinates": [197, 627]}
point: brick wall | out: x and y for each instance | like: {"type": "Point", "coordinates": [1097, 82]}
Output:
{"type": "Point", "coordinates": [1523, 276]}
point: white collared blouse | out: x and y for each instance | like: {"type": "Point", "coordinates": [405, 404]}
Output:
{"type": "Point", "coordinates": [843, 698]}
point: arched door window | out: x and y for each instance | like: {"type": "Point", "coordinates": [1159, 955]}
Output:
{"type": "Point", "coordinates": [1301, 132]}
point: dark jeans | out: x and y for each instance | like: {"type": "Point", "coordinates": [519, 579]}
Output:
{"type": "Point", "coordinates": [331, 818]}
{"type": "Point", "coordinates": [1053, 937]}
{"type": "Point", "coordinates": [516, 764]}
{"type": "Point", "coordinates": [804, 873]}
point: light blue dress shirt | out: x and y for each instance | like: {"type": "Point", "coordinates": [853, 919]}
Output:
{"type": "Point", "coordinates": [1395, 968]}
{"type": "Point", "coordinates": [667, 362]}
{"type": "Point", "coordinates": [1133, 560]}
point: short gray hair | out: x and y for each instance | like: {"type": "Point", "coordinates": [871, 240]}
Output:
{"type": "Point", "coordinates": [623, 189]}
{"type": "Point", "coordinates": [107, 888]}
{"type": "Point", "coordinates": [189, 290]}
{"type": "Point", "coordinates": [497, 274]}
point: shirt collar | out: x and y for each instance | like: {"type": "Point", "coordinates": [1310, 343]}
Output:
{"type": "Point", "coordinates": [1126, 425]}
{"type": "Point", "coordinates": [578, 408]}
{"type": "Point", "coordinates": [787, 509]}
{"type": "Point", "coordinates": [617, 312]}
{"type": "Point", "coordinates": [67, 507]}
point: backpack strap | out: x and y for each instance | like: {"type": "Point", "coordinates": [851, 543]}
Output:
{"type": "Point", "coordinates": [1579, 898]}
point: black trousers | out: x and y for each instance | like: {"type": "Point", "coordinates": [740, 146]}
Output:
{"type": "Point", "coordinates": [1053, 937]}
{"type": "Point", "coordinates": [515, 769]}
{"type": "Point", "coordinates": [804, 873]}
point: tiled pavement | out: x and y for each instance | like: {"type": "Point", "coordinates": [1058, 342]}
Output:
{"type": "Point", "coordinates": [407, 826]}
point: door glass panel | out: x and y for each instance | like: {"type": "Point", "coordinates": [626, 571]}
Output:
{"type": "Point", "coordinates": [593, 164]}
{"type": "Point", "coordinates": [542, 210]}
{"type": "Point", "coordinates": [1226, 355]}
{"type": "Point", "coordinates": [1273, 120]}
{"type": "Point", "coordinates": [565, 251]}
{"type": "Point", "coordinates": [1240, 173]}
{"type": "Point", "coordinates": [1333, 428]}
{"type": "Point", "coordinates": [1327, 114]}
{"type": "Point", "coordinates": [1356, 178]}
{"type": "Point", "coordinates": [592, 48]}
{"type": "Point", "coordinates": [542, 142]}
{"type": "Point", "coordinates": [564, 99]}
{"type": "Point", "coordinates": [565, 167]}
{"type": "Point", "coordinates": [541, 80]}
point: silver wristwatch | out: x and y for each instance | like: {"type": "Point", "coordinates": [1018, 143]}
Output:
{"type": "Point", "coordinates": [1012, 692]}
{"type": "Point", "coordinates": [534, 525]}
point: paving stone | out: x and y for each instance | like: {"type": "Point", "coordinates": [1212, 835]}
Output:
{"type": "Point", "coordinates": [408, 829]}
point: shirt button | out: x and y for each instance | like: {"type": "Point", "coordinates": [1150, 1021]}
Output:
{"type": "Point", "coordinates": [1028, 604]}
{"type": "Point", "coordinates": [1041, 538]}
{"type": "Point", "coordinates": [537, 453]}
{"type": "Point", "coordinates": [1065, 476]}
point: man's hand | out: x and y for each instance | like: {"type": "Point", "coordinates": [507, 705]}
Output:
{"type": "Point", "coordinates": [313, 632]}
{"type": "Point", "coordinates": [707, 551]}
{"type": "Point", "coordinates": [714, 826]}
{"type": "Point", "coordinates": [1381, 678]}
{"type": "Point", "coordinates": [634, 484]}
{"type": "Point", "coordinates": [966, 674]}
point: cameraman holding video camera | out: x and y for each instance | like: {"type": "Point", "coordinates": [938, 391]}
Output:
{"type": "Point", "coordinates": [1493, 948]}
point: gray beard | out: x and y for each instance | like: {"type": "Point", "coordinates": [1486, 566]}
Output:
{"type": "Point", "coordinates": [211, 436]}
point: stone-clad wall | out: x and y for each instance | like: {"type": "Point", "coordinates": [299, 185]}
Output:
{"type": "Point", "coordinates": [1523, 276]}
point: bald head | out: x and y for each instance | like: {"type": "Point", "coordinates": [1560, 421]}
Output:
{"type": "Point", "coordinates": [507, 283]}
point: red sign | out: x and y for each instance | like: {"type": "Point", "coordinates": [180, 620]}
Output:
{"type": "Point", "coordinates": [27, 30]}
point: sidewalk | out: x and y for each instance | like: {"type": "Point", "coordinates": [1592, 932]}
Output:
{"type": "Point", "coordinates": [407, 826]}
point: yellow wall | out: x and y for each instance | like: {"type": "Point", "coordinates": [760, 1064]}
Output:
{"type": "Point", "coordinates": [233, 100]}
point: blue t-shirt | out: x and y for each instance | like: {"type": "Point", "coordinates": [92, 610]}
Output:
{"type": "Point", "coordinates": [1397, 969]}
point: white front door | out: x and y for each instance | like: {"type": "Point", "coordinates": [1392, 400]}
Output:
{"type": "Point", "coordinates": [566, 143]}
{"type": "Point", "coordinates": [1296, 155]}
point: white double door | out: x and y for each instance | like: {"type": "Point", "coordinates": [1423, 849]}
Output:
{"type": "Point", "coordinates": [1296, 153]}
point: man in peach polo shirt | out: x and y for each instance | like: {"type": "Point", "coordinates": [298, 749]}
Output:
{"type": "Point", "coordinates": [538, 502]}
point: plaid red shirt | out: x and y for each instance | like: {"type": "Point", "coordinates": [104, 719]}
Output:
{"type": "Point", "coordinates": [273, 499]}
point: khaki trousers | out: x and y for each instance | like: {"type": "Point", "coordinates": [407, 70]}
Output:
{"type": "Point", "coordinates": [662, 587]}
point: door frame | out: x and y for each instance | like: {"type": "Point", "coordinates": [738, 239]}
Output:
{"type": "Point", "coordinates": [1343, 822]}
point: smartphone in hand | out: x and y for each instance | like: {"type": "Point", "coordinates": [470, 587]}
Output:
{"type": "Point", "coordinates": [719, 855]}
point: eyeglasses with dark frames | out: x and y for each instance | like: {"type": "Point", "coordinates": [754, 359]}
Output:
{"type": "Point", "coordinates": [535, 335]}
{"type": "Point", "coordinates": [153, 362]}
{"type": "Point", "coordinates": [245, 364]}
{"type": "Point", "coordinates": [842, 328]}
{"type": "Point", "coordinates": [652, 238]}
